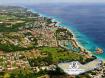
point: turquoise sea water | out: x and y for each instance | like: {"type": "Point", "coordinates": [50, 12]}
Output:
{"type": "Point", "coordinates": [86, 22]}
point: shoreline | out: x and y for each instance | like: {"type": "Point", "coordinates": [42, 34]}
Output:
{"type": "Point", "coordinates": [59, 24]}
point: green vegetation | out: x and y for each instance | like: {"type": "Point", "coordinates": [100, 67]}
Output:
{"type": "Point", "coordinates": [22, 73]}
{"type": "Point", "coordinates": [3, 17]}
{"type": "Point", "coordinates": [60, 55]}
{"type": "Point", "coordinates": [13, 48]}
{"type": "Point", "coordinates": [41, 61]}
{"type": "Point", "coordinates": [23, 31]}
{"type": "Point", "coordinates": [11, 28]}
{"type": "Point", "coordinates": [49, 21]}
{"type": "Point", "coordinates": [63, 34]}
{"type": "Point", "coordinates": [83, 76]}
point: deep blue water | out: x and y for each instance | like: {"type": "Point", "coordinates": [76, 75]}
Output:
{"type": "Point", "coordinates": [86, 21]}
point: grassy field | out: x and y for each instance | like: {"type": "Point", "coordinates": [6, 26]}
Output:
{"type": "Point", "coordinates": [59, 54]}
{"type": "Point", "coordinates": [3, 17]}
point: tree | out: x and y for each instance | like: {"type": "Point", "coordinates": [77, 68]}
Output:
{"type": "Point", "coordinates": [6, 75]}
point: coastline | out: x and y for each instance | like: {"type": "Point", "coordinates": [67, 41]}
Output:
{"type": "Point", "coordinates": [59, 24]}
{"type": "Point", "coordinates": [44, 47]}
{"type": "Point", "coordinates": [63, 26]}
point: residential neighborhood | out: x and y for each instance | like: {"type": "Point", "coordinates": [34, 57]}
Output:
{"type": "Point", "coordinates": [32, 46]}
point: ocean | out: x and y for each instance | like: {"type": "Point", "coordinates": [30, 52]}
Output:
{"type": "Point", "coordinates": [86, 21]}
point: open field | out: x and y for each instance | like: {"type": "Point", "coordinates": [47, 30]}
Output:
{"type": "Point", "coordinates": [3, 17]}
{"type": "Point", "coordinates": [59, 54]}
